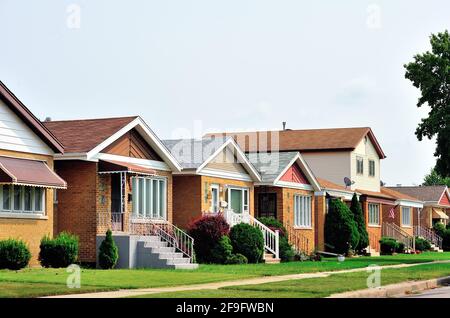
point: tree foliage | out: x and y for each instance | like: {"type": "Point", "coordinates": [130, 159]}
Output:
{"type": "Point", "coordinates": [430, 72]}
{"type": "Point", "coordinates": [358, 216]}
{"type": "Point", "coordinates": [341, 230]}
{"type": "Point", "coordinates": [434, 178]}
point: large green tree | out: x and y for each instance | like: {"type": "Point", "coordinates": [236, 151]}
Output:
{"type": "Point", "coordinates": [430, 72]}
{"type": "Point", "coordinates": [434, 178]}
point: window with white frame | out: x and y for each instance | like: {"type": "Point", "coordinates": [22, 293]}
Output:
{"type": "Point", "coordinates": [214, 198]}
{"type": "Point", "coordinates": [372, 168]}
{"type": "Point", "coordinates": [22, 199]}
{"type": "Point", "coordinates": [359, 165]}
{"type": "Point", "coordinates": [374, 214]}
{"type": "Point", "coordinates": [302, 211]}
{"type": "Point", "coordinates": [406, 216]}
{"type": "Point", "coordinates": [238, 199]}
{"type": "Point", "coordinates": [149, 197]}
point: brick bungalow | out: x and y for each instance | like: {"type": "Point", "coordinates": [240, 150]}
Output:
{"type": "Point", "coordinates": [27, 179]}
{"type": "Point", "coordinates": [436, 201]}
{"type": "Point", "coordinates": [117, 171]}
{"type": "Point", "coordinates": [216, 176]}
{"type": "Point", "coordinates": [287, 193]}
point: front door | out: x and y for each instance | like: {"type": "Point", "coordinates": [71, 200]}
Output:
{"type": "Point", "coordinates": [267, 205]}
{"type": "Point", "coordinates": [116, 203]}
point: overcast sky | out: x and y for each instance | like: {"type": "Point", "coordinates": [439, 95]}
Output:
{"type": "Point", "coordinates": [192, 66]}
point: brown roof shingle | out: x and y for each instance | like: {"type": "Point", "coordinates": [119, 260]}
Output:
{"type": "Point", "coordinates": [423, 193]}
{"type": "Point", "coordinates": [398, 195]}
{"type": "Point", "coordinates": [331, 185]}
{"type": "Point", "coordinates": [303, 140]}
{"type": "Point", "coordinates": [83, 135]}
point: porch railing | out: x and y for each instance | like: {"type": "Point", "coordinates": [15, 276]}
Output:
{"type": "Point", "coordinates": [299, 242]}
{"type": "Point", "coordinates": [168, 232]}
{"type": "Point", "coordinates": [111, 220]}
{"type": "Point", "coordinates": [374, 241]}
{"type": "Point", "coordinates": [394, 231]}
{"type": "Point", "coordinates": [271, 238]}
{"type": "Point", "coordinates": [429, 235]}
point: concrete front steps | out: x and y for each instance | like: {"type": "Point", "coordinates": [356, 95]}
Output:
{"type": "Point", "coordinates": [269, 258]}
{"type": "Point", "coordinates": [152, 252]}
{"type": "Point", "coordinates": [435, 248]}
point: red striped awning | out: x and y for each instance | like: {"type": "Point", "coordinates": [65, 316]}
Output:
{"type": "Point", "coordinates": [29, 172]}
{"type": "Point", "coordinates": [112, 166]}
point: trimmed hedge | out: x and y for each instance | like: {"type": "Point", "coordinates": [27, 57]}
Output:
{"type": "Point", "coordinates": [14, 254]}
{"type": "Point", "coordinates": [207, 231]}
{"type": "Point", "coordinates": [108, 252]}
{"type": "Point", "coordinates": [237, 259]}
{"type": "Point", "coordinates": [60, 251]}
{"type": "Point", "coordinates": [422, 244]}
{"type": "Point", "coordinates": [248, 241]}
{"type": "Point", "coordinates": [341, 231]}
{"type": "Point", "coordinates": [223, 251]}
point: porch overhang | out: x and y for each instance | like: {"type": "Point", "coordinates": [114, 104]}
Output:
{"type": "Point", "coordinates": [439, 214]}
{"type": "Point", "coordinates": [28, 172]}
{"type": "Point", "coordinates": [111, 166]}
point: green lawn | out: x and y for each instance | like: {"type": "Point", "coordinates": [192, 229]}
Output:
{"type": "Point", "coordinates": [147, 278]}
{"type": "Point", "coordinates": [315, 287]}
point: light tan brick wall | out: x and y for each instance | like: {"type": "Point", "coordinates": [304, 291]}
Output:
{"type": "Point", "coordinates": [30, 230]}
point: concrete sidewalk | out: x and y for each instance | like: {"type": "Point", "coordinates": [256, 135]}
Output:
{"type": "Point", "coordinates": [217, 285]}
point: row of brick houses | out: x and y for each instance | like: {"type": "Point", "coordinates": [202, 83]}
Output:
{"type": "Point", "coordinates": [87, 176]}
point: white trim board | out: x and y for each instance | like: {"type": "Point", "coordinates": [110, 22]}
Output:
{"type": "Point", "coordinates": [225, 175]}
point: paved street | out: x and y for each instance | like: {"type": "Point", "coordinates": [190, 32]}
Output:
{"type": "Point", "coordinates": [443, 292]}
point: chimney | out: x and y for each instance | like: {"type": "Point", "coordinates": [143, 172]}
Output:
{"type": "Point", "coordinates": [284, 125]}
{"type": "Point", "coordinates": [48, 119]}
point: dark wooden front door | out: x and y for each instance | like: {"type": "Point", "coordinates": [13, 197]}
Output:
{"type": "Point", "coordinates": [267, 205]}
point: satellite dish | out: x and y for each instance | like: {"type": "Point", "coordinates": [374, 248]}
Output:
{"type": "Point", "coordinates": [348, 182]}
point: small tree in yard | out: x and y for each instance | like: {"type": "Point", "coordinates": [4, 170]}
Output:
{"type": "Point", "coordinates": [341, 231]}
{"type": "Point", "coordinates": [358, 216]}
{"type": "Point", "coordinates": [108, 252]}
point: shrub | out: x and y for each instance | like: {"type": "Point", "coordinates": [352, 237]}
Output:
{"type": "Point", "coordinates": [439, 229]}
{"type": "Point", "coordinates": [207, 231]}
{"type": "Point", "coordinates": [108, 253]}
{"type": "Point", "coordinates": [358, 216]}
{"type": "Point", "coordinates": [14, 254]}
{"type": "Point", "coordinates": [422, 244]}
{"type": "Point", "coordinates": [222, 251]}
{"type": "Point", "coordinates": [446, 240]}
{"type": "Point", "coordinates": [388, 246]}
{"type": "Point", "coordinates": [286, 251]}
{"type": "Point", "coordinates": [237, 259]}
{"type": "Point", "coordinates": [400, 247]}
{"type": "Point", "coordinates": [60, 251]}
{"type": "Point", "coordinates": [341, 231]}
{"type": "Point", "coordinates": [248, 241]}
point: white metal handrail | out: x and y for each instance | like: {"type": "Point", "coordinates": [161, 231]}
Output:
{"type": "Point", "coordinates": [394, 231]}
{"type": "Point", "coordinates": [429, 235]}
{"type": "Point", "coordinates": [271, 238]}
{"type": "Point", "coordinates": [168, 232]}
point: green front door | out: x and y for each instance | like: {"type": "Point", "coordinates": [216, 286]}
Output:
{"type": "Point", "coordinates": [236, 200]}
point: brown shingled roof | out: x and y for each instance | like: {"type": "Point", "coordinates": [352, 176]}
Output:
{"type": "Point", "coordinates": [397, 195]}
{"type": "Point", "coordinates": [303, 140]}
{"type": "Point", "coordinates": [83, 135]}
{"type": "Point", "coordinates": [423, 193]}
{"type": "Point", "coordinates": [331, 185]}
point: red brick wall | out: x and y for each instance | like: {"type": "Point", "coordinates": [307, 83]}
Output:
{"type": "Point", "coordinates": [320, 209]}
{"type": "Point", "coordinates": [77, 204]}
{"type": "Point", "coordinates": [186, 199]}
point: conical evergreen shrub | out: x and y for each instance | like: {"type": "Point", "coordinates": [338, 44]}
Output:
{"type": "Point", "coordinates": [358, 216]}
{"type": "Point", "coordinates": [108, 252]}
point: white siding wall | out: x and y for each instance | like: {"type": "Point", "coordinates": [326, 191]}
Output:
{"type": "Point", "coordinates": [333, 166]}
{"type": "Point", "coordinates": [17, 136]}
{"type": "Point", "coordinates": [367, 151]}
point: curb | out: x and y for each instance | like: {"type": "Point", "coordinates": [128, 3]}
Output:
{"type": "Point", "coordinates": [395, 289]}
